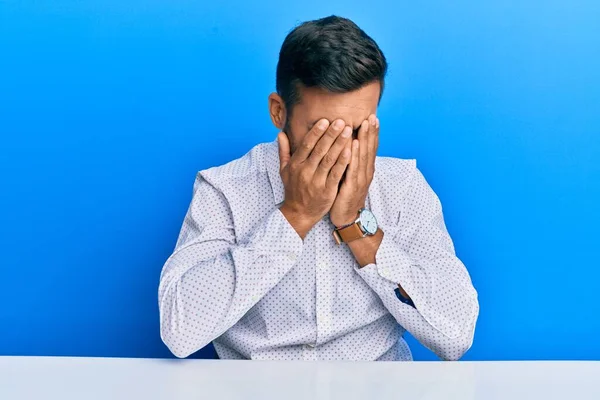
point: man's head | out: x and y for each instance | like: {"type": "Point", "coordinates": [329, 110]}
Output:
{"type": "Point", "coordinates": [328, 68]}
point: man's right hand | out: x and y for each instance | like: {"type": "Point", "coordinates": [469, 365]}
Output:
{"type": "Point", "coordinates": [312, 174]}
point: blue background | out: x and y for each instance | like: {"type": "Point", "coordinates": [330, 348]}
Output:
{"type": "Point", "coordinates": [108, 108]}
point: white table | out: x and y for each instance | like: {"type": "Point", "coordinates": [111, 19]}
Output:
{"type": "Point", "coordinates": [117, 378]}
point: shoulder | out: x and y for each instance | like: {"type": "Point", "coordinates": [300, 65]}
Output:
{"type": "Point", "coordinates": [401, 182]}
{"type": "Point", "coordinates": [246, 166]}
{"type": "Point", "coordinates": [395, 169]}
{"type": "Point", "coordinates": [397, 179]}
{"type": "Point", "coordinates": [400, 176]}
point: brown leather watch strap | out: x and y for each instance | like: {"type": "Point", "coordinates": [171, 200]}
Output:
{"type": "Point", "coordinates": [348, 233]}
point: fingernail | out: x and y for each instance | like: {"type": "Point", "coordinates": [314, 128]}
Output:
{"type": "Point", "coordinates": [372, 121]}
{"type": "Point", "coordinates": [347, 132]}
{"type": "Point", "coordinates": [376, 122]}
{"type": "Point", "coordinates": [323, 124]}
{"type": "Point", "coordinates": [364, 125]}
{"type": "Point", "coordinates": [338, 124]}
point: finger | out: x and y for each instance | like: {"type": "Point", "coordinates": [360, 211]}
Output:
{"type": "Point", "coordinates": [352, 173]}
{"type": "Point", "coordinates": [330, 159]}
{"type": "Point", "coordinates": [373, 132]}
{"type": "Point", "coordinates": [310, 140]}
{"type": "Point", "coordinates": [284, 150]}
{"type": "Point", "coordinates": [377, 136]}
{"type": "Point", "coordinates": [364, 145]}
{"type": "Point", "coordinates": [325, 142]}
{"type": "Point", "coordinates": [338, 169]}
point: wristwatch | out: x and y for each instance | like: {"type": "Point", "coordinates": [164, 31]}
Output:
{"type": "Point", "coordinates": [364, 225]}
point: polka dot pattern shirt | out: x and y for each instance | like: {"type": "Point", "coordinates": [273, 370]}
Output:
{"type": "Point", "coordinates": [241, 277]}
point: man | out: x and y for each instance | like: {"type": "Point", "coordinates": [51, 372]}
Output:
{"type": "Point", "coordinates": [311, 247]}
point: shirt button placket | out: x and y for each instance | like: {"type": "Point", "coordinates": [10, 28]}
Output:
{"type": "Point", "coordinates": [309, 352]}
{"type": "Point", "coordinates": [323, 286]}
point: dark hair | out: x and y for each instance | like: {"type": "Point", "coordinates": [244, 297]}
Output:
{"type": "Point", "coordinates": [332, 53]}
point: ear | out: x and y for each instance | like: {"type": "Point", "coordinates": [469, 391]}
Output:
{"type": "Point", "coordinates": [277, 110]}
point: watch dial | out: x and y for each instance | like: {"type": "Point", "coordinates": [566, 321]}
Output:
{"type": "Point", "coordinates": [368, 221]}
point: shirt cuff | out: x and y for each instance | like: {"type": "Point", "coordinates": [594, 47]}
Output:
{"type": "Point", "coordinates": [403, 299]}
{"type": "Point", "coordinates": [276, 237]}
{"type": "Point", "coordinates": [388, 271]}
{"type": "Point", "coordinates": [393, 267]}
{"type": "Point", "coordinates": [388, 260]}
{"type": "Point", "coordinates": [391, 262]}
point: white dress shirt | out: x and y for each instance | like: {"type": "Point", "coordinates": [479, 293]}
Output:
{"type": "Point", "coordinates": [242, 277]}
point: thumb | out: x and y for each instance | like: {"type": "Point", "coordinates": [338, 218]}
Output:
{"type": "Point", "coordinates": [284, 150]}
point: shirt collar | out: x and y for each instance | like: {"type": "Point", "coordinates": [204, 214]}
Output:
{"type": "Point", "coordinates": [272, 164]}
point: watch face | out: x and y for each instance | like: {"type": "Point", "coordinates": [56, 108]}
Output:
{"type": "Point", "coordinates": [368, 222]}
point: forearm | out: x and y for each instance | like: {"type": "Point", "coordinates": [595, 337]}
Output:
{"type": "Point", "coordinates": [195, 299]}
{"type": "Point", "coordinates": [445, 303]}
{"type": "Point", "coordinates": [201, 295]}
{"type": "Point", "coordinates": [446, 345]}
{"type": "Point", "coordinates": [365, 249]}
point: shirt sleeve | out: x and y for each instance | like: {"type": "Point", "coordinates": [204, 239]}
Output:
{"type": "Point", "coordinates": [211, 280]}
{"type": "Point", "coordinates": [418, 254]}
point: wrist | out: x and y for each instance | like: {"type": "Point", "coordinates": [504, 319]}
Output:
{"type": "Point", "coordinates": [297, 219]}
{"type": "Point", "coordinates": [340, 223]}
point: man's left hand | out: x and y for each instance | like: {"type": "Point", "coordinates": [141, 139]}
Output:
{"type": "Point", "coordinates": [359, 174]}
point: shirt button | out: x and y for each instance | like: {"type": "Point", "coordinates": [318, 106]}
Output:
{"type": "Point", "coordinates": [322, 265]}
{"type": "Point", "coordinates": [323, 318]}
{"type": "Point", "coordinates": [292, 256]}
{"type": "Point", "coordinates": [309, 346]}
{"type": "Point", "coordinates": [385, 272]}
